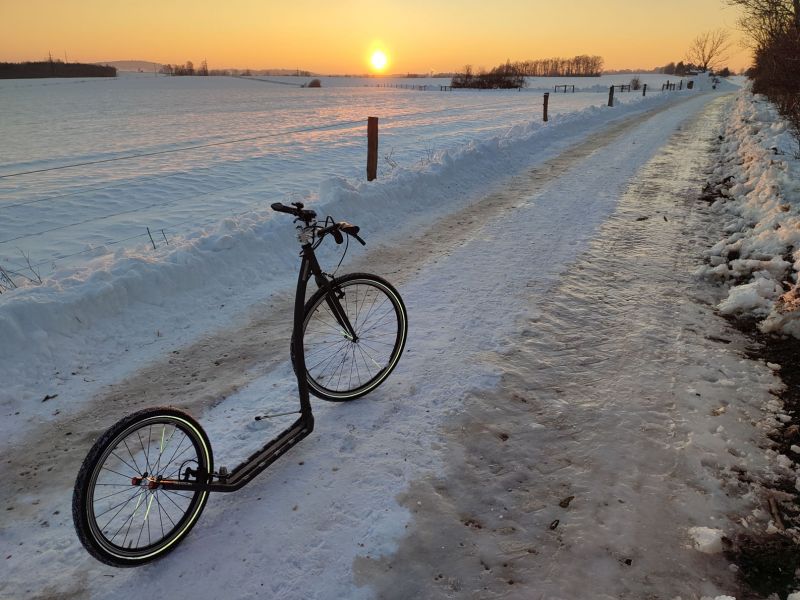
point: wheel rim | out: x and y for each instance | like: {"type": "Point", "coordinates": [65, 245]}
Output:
{"type": "Point", "coordinates": [127, 518]}
{"type": "Point", "coordinates": [340, 367]}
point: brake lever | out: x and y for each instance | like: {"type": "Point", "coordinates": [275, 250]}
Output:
{"type": "Point", "coordinates": [362, 242]}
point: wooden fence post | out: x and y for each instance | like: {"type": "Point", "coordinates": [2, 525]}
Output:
{"type": "Point", "coordinates": [372, 148]}
{"type": "Point", "coordinates": [546, 100]}
{"type": "Point", "coordinates": [680, 85]}
{"type": "Point", "coordinates": [644, 90]}
{"type": "Point", "coordinates": [611, 96]}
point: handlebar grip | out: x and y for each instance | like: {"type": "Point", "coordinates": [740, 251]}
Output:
{"type": "Point", "coordinates": [277, 206]}
{"type": "Point", "coordinates": [352, 231]}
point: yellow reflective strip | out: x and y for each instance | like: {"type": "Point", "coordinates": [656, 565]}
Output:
{"type": "Point", "coordinates": [149, 503]}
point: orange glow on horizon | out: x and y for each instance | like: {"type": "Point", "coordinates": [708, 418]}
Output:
{"type": "Point", "coordinates": [330, 37]}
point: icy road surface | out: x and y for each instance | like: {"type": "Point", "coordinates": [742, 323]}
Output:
{"type": "Point", "coordinates": [563, 415]}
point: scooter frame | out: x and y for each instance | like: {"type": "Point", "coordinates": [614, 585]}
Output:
{"type": "Point", "coordinates": [244, 473]}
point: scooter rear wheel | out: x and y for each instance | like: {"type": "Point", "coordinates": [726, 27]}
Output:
{"type": "Point", "coordinates": [121, 514]}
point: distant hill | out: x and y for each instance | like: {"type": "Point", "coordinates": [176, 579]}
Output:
{"type": "Point", "coordinates": [134, 66]}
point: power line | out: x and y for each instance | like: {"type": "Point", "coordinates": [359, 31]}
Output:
{"type": "Point", "coordinates": [125, 212]}
{"type": "Point", "coordinates": [247, 139]}
{"type": "Point", "coordinates": [96, 188]}
{"type": "Point", "coordinates": [184, 149]}
{"type": "Point", "coordinates": [138, 235]}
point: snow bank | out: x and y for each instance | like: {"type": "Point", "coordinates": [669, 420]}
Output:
{"type": "Point", "coordinates": [760, 256]}
{"type": "Point", "coordinates": [89, 314]}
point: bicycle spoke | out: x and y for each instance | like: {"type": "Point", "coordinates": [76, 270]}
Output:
{"type": "Point", "coordinates": [138, 470]}
{"type": "Point", "coordinates": [176, 493]}
{"type": "Point", "coordinates": [373, 307]}
{"type": "Point", "coordinates": [173, 501]}
{"type": "Point", "coordinates": [145, 520]}
{"type": "Point", "coordinates": [169, 462]}
{"type": "Point", "coordinates": [366, 363]}
{"type": "Point", "coordinates": [381, 321]}
{"type": "Point", "coordinates": [161, 506]}
{"type": "Point", "coordinates": [96, 500]}
{"type": "Point", "coordinates": [163, 445]}
{"type": "Point", "coordinates": [331, 357]}
{"type": "Point", "coordinates": [124, 462]}
{"type": "Point", "coordinates": [123, 503]}
{"type": "Point", "coordinates": [138, 496]}
{"type": "Point", "coordinates": [116, 472]}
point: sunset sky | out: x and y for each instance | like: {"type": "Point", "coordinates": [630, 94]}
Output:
{"type": "Point", "coordinates": [339, 36]}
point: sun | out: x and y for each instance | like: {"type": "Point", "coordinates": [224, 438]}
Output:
{"type": "Point", "coordinates": [378, 60]}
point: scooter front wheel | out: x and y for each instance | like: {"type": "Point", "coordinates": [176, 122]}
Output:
{"type": "Point", "coordinates": [121, 514]}
{"type": "Point", "coordinates": [340, 366]}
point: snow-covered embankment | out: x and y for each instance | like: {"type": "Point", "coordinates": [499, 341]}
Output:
{"type": "Point", "coordinates": [759, 192]}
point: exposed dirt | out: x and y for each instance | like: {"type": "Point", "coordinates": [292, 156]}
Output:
{"type": "Point", "coordinates": [770, 563]}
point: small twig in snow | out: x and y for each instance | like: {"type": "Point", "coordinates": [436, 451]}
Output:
{"type": "Point", "coordinates": [36, 277]}
{"type": "Point", "coordinates": [776, 515]}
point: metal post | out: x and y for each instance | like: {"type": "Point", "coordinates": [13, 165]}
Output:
{"type": "Point", "coordinates": [372, 148]}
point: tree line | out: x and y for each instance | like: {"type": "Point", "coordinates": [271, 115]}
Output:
{"type": "Point", "coordinates": [512, 75]}
{"type": "Point", "coordinates": [773, 29]}
{"type": "Point", "coordinates": [53, 68]}
{"type": "Point", "coordinates": [188, 69]}
{"type": "Point", "coordinates": [577, 66]}
{"type": "Point", "coordinates": [505, 76]}
{"type": "Point", "coordinates": [185, 69]}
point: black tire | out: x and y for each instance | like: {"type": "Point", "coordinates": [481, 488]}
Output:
{"type": "Point", "coordinates": [105, 483]}
{"type": "Point", "coordinates": [379, 318]}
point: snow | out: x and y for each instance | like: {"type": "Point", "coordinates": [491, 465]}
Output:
{"type": "Point", "coordinates": [706, 539]}
{"type": "Point", "coordinates": [290, 140]}
{"type": "Point", "coordinates": [555, 351]}
{"type": "Point", "coordinates": [76, 328]}
{"type": "Point", "coordinates": [759, 258]}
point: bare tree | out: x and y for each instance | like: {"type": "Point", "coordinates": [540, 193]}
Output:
{"type": "Point", "coordinates": [709, 49]}
{"type": "Point", "coordinates": [764, 21]}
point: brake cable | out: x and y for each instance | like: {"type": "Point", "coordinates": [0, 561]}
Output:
{"type": "Point", "coordinates": [346, 246]}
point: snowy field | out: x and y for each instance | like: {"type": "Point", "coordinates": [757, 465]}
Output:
{"type": "Point", "coordinates": [294, 139]}
{"type": "Point", "coordinates": [562, 399]}
{"type": "Point", "coordinates": [92, 322]}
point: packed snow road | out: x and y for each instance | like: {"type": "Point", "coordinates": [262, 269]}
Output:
{"type": "Point", "coordinates": [562, 418]}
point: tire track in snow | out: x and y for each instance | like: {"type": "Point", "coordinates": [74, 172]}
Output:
{"type": "Point", "coordinates": [617, 424]}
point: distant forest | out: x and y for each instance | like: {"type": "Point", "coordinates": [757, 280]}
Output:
{"type": "Point", "coordinates": [188, 69]}
{"type": "Point", "coordinates": [512, 75]}
{"type": "Point", "coordinates": [577, 66]}
{"type": "Point", "coordinates": [53, 68]}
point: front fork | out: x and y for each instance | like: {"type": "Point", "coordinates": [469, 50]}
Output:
{"type": "Point", "coordinates": [332, 298]}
